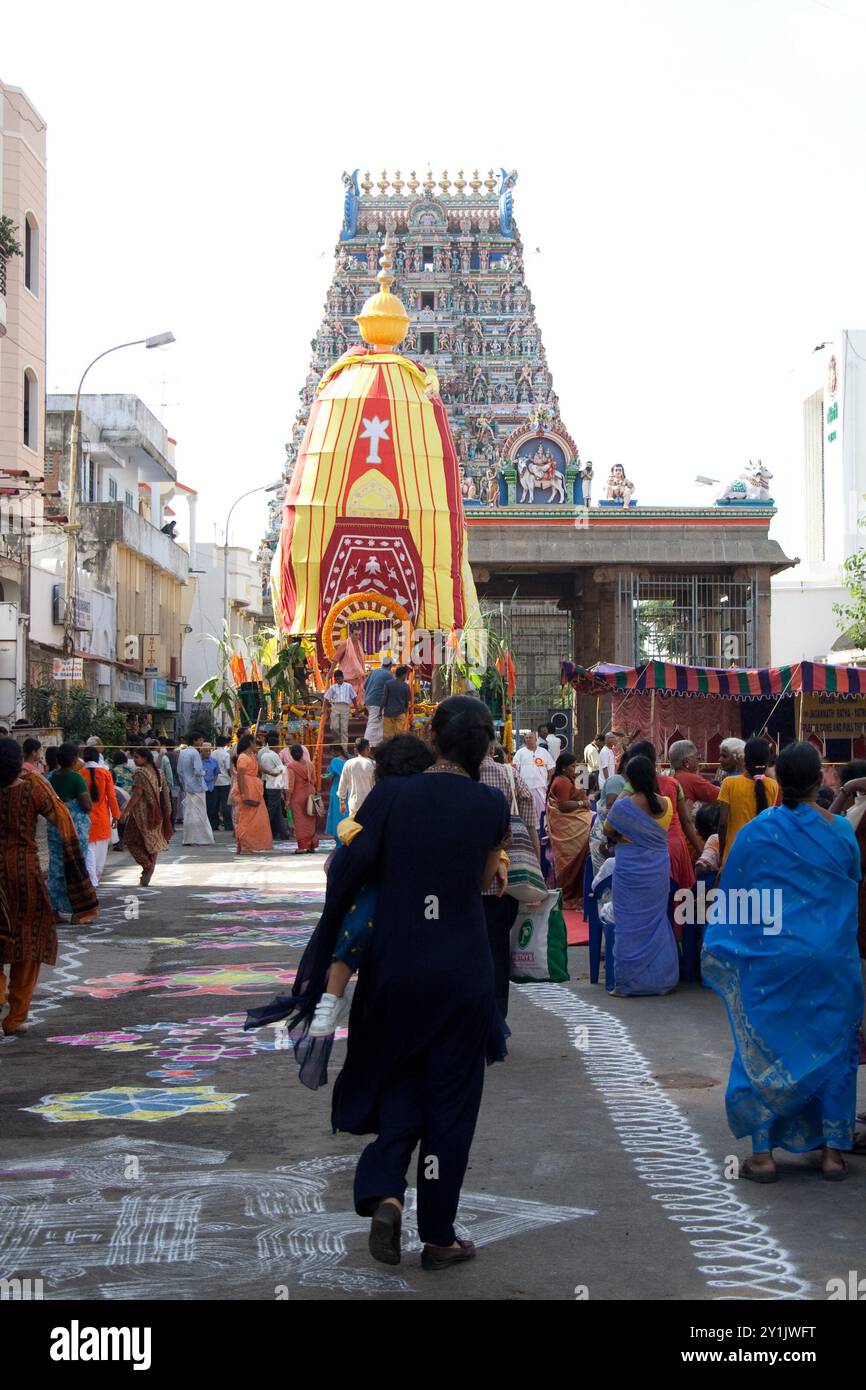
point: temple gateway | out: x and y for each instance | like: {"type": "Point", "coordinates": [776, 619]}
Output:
{"type": "Point", "coordinates": [567, 562]}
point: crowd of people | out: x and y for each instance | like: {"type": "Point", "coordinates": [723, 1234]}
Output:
{"type": "Point", "coordinates": [418, 907]}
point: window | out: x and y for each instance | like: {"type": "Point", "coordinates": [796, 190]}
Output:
{"type": "Point", "coordinates": [427, 256]}
{"type": "Point", "coordinates": [428, 300]}
{"type": "Point", "coordinates": [130, 501]}
{"type": "Point", "coordinates": [112, 489]}
{"type": "Point", "coordinates": [31, 253]}
{"type": "Point", "coordinates": [31, 411]}
{"type": "Point", "coordinates": [428, 342]}
{"type": "Point", "coordinates": [695, 619]}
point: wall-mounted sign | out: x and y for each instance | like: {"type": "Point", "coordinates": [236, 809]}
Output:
{"type": "Point", "coordinates": [150, 653]}
{"type": "Point", "coordinates": [130, 647]}
{"type": "Point", "coordinates": [67, 668]}
{"type": "Point", "coordinates": [131, 690]}
{"type": "Point", "coordinates": [162, 694]}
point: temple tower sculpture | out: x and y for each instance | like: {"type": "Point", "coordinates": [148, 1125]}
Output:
{"type": "Point", "coordinates": [459, 272]}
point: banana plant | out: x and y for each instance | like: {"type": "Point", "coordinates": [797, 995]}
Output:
{"type": "Point", "coordinates": [221, 689]}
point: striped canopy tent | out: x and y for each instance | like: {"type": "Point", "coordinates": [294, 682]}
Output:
{"type": "Point", "coordinates": [373, 527]}
{"type": "Point", "coordinates": [738, 683]}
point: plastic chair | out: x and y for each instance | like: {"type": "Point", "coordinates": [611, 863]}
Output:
{"type": "Point", "coordinates": [590, 912]}
{"type": "Point", "coordinates": [609, 929]}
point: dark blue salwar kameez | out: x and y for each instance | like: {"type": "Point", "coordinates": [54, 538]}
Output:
{"type": "Point", "coordinates": [423, 1013]}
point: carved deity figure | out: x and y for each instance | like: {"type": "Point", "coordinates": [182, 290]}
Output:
{"type": "Point", "coordinates": [350, 205]}
{"type": "Point", "coordinates": [618, 488]}
{"type": "Point", "coordinates": [524, 384]}
{"type": "Point", "coordinates": [753, 485]}
{"type": "Point", "coordinates": [506, 203]}
{"type": "Point", "coordinates": [484, 428]}
{"type": "Point", "coordinates": [491, 478]}
{"type": "Point", "coordinates": [585, 474]}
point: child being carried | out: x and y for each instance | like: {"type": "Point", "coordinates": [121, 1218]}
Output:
{"type": "Point", "coordinates": [401, 756]}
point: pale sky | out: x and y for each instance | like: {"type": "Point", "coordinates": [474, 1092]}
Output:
{"type": "Point", "coordinates": [692, 171]}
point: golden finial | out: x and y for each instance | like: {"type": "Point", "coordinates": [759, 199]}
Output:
{"type": "Point", "coordinates": [383, 184]}
{"type": "Point", "coordinates": [383, 321]}
{"type": "Point", "coordinates": [460, 182]}
{"type": "Point", "coordinates": [366, 182]}
{"type": "Point", "coordinates": [490, 181]}
{"type": "Point", "coordinates": [445, 182]}
{"type": "Point", "coordinates": [475, 182]}
{"type": "Point", "coordinates": [429, 182]}
{"type": "Point", "coordinates": [397, 183]}
{"type": "Point", "coordinates": [413, 183]}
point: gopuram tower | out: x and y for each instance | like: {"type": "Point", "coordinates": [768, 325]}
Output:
{"type": "Point", "coordinates": [459, 271]}
{"type": "Point", "coordinates": [566, 569]}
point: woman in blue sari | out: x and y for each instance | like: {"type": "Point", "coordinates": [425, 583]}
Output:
{"type": "Point", "coordinates": [790, 976]}
{"type": "Point", "coordinates": [335, 813]}
{"type": "Point", "coordinates": [645, 954]}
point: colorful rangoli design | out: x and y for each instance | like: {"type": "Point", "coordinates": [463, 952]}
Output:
{"type": "Point", "coordinates": [255, 978]}
{"type": "Point", "coordinates": [147, 1103]}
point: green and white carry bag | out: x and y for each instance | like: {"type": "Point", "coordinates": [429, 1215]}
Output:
{"type": "Point", "coordinates": [539, 943]}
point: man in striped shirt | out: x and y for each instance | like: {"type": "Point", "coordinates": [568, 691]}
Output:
{"type": "Point", "coordinates": [340, 697]}
{"type": "Point", "coordinates": [500, 910]}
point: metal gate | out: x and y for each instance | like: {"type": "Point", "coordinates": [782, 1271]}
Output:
{"type": "Point", "coordinates": [689, 619]}
{"type": "Point", "coordinates": [539, 636]}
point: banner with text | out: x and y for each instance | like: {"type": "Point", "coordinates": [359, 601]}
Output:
{"type": "Point", "coordinates": [829, 718]}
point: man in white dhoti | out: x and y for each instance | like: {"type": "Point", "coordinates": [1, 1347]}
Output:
{"type": "Point", "coordinates": [535, 766]}
{"type": "Point", "coordinates": [190, 773]}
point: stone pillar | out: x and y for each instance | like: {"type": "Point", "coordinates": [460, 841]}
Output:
{"type": "Point", "coordinates": [762, 615]}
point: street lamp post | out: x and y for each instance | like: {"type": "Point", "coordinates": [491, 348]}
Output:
{"type": "Point", "coordinates": [267, 487]}
{"type": "Point", "coordinates": [72, 527]}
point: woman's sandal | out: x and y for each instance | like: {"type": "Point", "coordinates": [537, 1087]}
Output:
{"type": "Point", "coordinates": [762, 1175]}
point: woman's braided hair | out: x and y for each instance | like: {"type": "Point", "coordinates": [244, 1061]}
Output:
{"type": "Point", "coordinates": [755, 756]}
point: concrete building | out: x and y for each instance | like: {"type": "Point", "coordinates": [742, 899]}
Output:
{"type": "Point", "coordinates": [825, 431]}
{"type": "Point", "coordinates": [683, 585]}
{"type": "Point", "coordinates": [22, 379]}
{"type": "Point", "coordinates": [132, 593]}
{"type": "Point", "coordinates": [201, 655]}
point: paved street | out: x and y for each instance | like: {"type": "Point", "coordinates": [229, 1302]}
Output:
{"type": "Point", "coordinates": [152, 1149]}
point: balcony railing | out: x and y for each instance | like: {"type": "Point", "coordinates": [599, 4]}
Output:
{"type": "Point", "coordinates": [2, 272]}
{"type": "Point", "coordinates": [113, 521]}
{"type": "Point", "coordinates": [2, 294]}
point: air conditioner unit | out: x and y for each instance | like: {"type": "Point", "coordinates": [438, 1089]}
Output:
{"type": "Point", "coordinates": [130, 647]}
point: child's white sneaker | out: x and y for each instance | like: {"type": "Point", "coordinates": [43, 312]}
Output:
{"type": "Point", "coordinates": [330, 1012]}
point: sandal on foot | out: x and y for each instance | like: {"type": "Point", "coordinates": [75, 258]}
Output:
{"type": "Point", "coordinates": [385, 1233]}
{"type": "Point", "coordinates": [835, 1174]}
{"type": "Point", "coordinates": [763, 1175]}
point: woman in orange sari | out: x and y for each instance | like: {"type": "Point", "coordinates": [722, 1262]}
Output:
{"type": "Point", "coordinates": [252, 822]}
{"type": "Point", "coordinates": [146, 817]}
{"type": "Point", "coordinates": [568, 822]}
{"type": "Point", "coordinates": [302, 784]}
